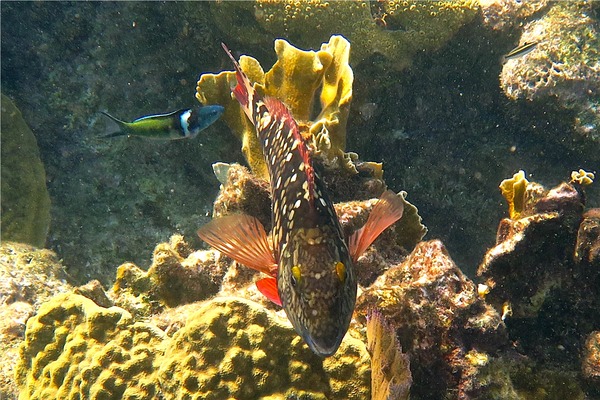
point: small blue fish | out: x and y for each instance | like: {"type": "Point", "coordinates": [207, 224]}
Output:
{"type": "Point", "coordinates": [180, 124]}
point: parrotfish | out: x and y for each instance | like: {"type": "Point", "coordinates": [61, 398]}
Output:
{"type": "Point", "coordinates": [311, 268]}
{"type": "Point", "coordinates": [180, 124]}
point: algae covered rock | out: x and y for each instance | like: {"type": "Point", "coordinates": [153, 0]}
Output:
{"type": "Point", "coordinates": [25, 199]}
{"type": "Point", "coordinates": [74, 348]}
{"type": "Point", "coordinates": [235, 348]}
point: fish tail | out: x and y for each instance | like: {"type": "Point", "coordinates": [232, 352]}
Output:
{"type": "Point", "coordinates": [243, 91]}
{"type": "Point", "coordinates": [119, 122]}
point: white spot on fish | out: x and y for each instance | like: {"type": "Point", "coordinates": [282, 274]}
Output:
{"type": "Point", "coordinates": [322, 201]}
{"type": "Point", "coordinates": [297, 203]}
{"type": "Point", "coordinates": [288, 157]}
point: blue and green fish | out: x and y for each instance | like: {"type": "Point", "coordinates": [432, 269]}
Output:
{"type": "Point", "coordinates": [310, 271]}
{"type": "Point", "coordinates": [180, 124]}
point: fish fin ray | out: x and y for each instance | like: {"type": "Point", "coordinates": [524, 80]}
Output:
{"type": "Point", "coordinates": [388, 210]}
{"type": "Point", "coordinates": [268, 287]}
{"type": "Point", "coordinates": [243, 91]}
{"type": "Point", "coordinates": [242, 238]}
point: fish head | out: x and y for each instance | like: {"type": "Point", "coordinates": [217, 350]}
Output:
{"type": "Point", "coordinates": [201, 118]}
{"type": "Point", "coordinates": [317, 285]}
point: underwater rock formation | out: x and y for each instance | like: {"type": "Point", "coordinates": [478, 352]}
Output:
{"type": "Point", "coordinates": [525, 266]}
{"type": "Point", "coordinates": [177, 276]}
{"type": "Point", "coordinates": [591, 361]}
{"type": "Point", "coordinates": [25, 199]}
{"type": "Point", "coordinates": [544, 270]}
{"type": "Point", "coordinates": [439, 319]}
{"type": "Point", "coordinates": [397, 30]}
{"type": "Point", "coordinates": [564, 65]}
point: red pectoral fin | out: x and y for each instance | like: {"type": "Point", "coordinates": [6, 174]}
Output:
{"type": "Point", "coordinates": [268, 287]}
{"type": "Point", "coordinates": [388, 210]}
{"type": "Point", "coordinates": [242, 238]}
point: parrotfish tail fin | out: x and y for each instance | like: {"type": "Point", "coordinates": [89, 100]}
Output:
{"type": "Point", "coordinates": [243, 91]}
{"type": "Point", "coordinates": [118, 122]}
{"type": "Point", "coordinates": [242, 238]}
{"type": "Point", "coordinates": [268, 287]}
{"type": "Point", "coordinates": [388, 210]}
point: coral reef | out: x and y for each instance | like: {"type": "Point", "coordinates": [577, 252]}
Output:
{"type": "Point", "coordinates": [544, 267]}
{"type": "Point", "coordinates": [439, 319]}
{"type": "Point", "coordinates": [177, 276]}
{"type": "Point", "coordinates": [295, 79]}
{"type": "Point", "coordinates": [524, 267]}
{"type": "Point", "coordinates": [397, 30]}
{"type": "Point", "coordinates": [565, 64]}
{"type": "Point", "coordinates": [74, 348]}
{"type": "Point", "coordinates": [587, 247]}
{"type": "Point", "coordinates": [222, 348]}
{"type": "Point", "coordinates": [25, 199]}
{"type": "Point", "coordinates": [591, 361]}
{"type": "Point", "coordinates": [233, 348]}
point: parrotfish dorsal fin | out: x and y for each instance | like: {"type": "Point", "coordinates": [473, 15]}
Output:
{"type": "Point", "coordinates": [388, 210]}
{"type": "Point", "coordinates": [242, 238]}
{"type": "Point", "coordinates": [268, 287]}
{"type": "Point", "coordinates": [280, 112]}
{"type": "Point", "coordinates": [243, 91]}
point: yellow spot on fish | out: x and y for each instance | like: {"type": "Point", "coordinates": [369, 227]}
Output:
{"type": "Point", "coordinates": [340, 270]}
{"type": "Point", "coordinates": [296, 273]}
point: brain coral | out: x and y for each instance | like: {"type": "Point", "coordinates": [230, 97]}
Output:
{"type": "Point", "coordinates": [224, 348]}
{"type": "Point", "coordinates": [235, 349]}
{"type": "Point", "coordinates": [75, 349]}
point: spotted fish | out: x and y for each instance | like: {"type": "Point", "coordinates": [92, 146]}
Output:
{"type": "Point", "coordinates": [311, 268]}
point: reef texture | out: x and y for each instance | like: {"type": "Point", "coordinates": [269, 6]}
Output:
{"type": "Point", "coordinates": [234, 348]}
{"type": "Point", "coordinates": [524, 266]}
{"type": "Point", "coordinates": [74, 348]}
{"type": "Point", "coordinates": [442, 323]}
{"type": "Point", "coordinates": [296, 79]}
{"type": "Point", "coordinates": [591, 361]}
{"type": "Point", "coordinates": [25, 199]}
{"type": "Point", "coordinates": [28, 278]}
{"type": "Point", "coordinates": [177, 276]}
{"type": "Point", "coordinates": [397, 30]}
{"type": "Point", "coordinates": [565, 63]}
{"type": "Point", "coordinates": [544, 275]}
{"type": "Point", "coordinates": [223, 348]}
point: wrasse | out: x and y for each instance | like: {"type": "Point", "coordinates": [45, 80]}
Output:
{"type": "Point", "coordinates": [311, 268]}
{"type": "Point", "coordinates": [520, 51]}
{"type": "Point", "coordinates": [180, 124]}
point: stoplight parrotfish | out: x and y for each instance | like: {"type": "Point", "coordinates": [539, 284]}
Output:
{"type": "Point", "coordinates": [180, 124]}
{"type": "Point", "coordinates": [311, 265]}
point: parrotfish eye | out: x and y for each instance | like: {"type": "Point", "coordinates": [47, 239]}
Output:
{"type": "Point", "coordinates": [295, 277]}
{"type": "Point", "coordinates": [340, 270]}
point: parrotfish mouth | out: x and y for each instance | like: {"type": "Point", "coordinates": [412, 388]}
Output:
{"type": "Point", "coordinates": [324, 347]}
